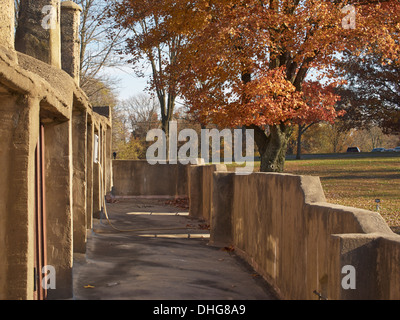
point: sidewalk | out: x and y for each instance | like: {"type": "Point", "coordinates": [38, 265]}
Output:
{"type": "Point", "coordinates": [170, 263]}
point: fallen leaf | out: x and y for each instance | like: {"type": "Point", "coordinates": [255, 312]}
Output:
{"type": "Point", "coordinates": [228, 249]}
{"type": "Point", "coordinates": [204, 226]}
{"type": "Point", "coordinates": [182, 203]}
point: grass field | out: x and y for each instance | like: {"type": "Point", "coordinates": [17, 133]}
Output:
{"type": "Point", "coordinates": [357, 183]}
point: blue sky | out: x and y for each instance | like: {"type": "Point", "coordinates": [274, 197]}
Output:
{"type": "Point", "coordinates": [129, 84]}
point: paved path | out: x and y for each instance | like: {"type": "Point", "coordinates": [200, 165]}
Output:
{"type": "Point", "coordinates": [160, 264]}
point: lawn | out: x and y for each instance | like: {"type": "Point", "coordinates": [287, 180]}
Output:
{"type": "Point", "coordinates": [357, 183]}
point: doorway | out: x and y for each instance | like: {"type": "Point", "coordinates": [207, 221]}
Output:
{"type": "Point", "coordinates": [40, 255]}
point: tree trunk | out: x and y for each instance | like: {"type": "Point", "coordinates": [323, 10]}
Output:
{"type": "Point", "coordinates": [272, 146]}
{"type": "Point", "coordinates": [167, 110]}
{"type": "Point", "coordinates": [165, 128]}
{"type": "Point", "coordinates": [299, 136]}
{"type": "Point", "coordinates": [302, 129]}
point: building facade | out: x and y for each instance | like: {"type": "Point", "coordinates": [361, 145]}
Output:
{"type": "Point", "coordinates": [55, 150]}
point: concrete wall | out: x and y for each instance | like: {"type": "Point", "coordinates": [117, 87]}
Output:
{"type": "Point", "coordinates": [282, 225]}
{"type": "Point", "coordinates": [35, 91]}
{"type": "Point", "coordinates": [89, 174]}
{"type": "Point", "coordinates": [17, 150]}
{"type": "Point", "coordinates": [139, 178]}
{"type": "Point", "coordinates": [59, 205]}
{"type": "Point", "coordinates": [79, 152]}
{"type": "Point", "coordinates": [201, 189]}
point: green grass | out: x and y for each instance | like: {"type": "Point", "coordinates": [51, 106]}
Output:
{"type": "Point", "coordinates": [356, 183]}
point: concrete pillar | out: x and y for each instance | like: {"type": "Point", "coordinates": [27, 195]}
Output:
{"type": "Point", "coordinates": [70, 42]}
{"type": "Point", "coordinates": [79, 140]}
{"type": "Point", "coordinates": [106, 147]}
{"type": "Point", "coordinates": [201, 189]}
{"type": "Point", "coordinates": [108, 161]}
{"type": "Point", "coordinates": [89, 175]}
{"type": "Point", "coordinates": [103, 174]}
{"type": "Point", "coordinates": [195, 176]}
{"type": "Point", "coordinates": [96, 175]}
{"type": "Point", "coordinates": [221, 209]}
{"type": "Point", "coordinates": [19, 131]}
{"type": "Point", "coordinates": [360, 252]}
{"type": "Point", "coordinates": [103, 171]}
{"type": "Point", "coordinates": [7, 23]}
{"type": "Point", "coordinates": [58, 157]}
{"type": "Point", "coordinates": [38, 33]}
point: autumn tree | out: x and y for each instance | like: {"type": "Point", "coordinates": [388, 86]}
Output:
{"type": "Point", "coordinates": [315, 139]}
{"type": "Point", "coordinates": [149, 44]}
{"type": "Point", "coordinates": [321, 101]}
{"type": "Point", "coordinates": [244, 63]}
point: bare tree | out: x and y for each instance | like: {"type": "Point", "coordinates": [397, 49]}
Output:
{"type": "Point", "coordinates": [141, 113]}
{"type": "Point", "coordinates": [151, 50]}
{"type": "Point", "coordinates": [337, 135]}
{"type": "Point", "coordinates": [98, 46]}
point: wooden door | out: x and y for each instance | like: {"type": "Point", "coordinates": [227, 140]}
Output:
{"type": "Point", "coordinates": [40, 219]}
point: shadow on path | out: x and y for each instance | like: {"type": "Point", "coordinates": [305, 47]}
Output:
{"type": "Point", "coordinates": [173, 262]}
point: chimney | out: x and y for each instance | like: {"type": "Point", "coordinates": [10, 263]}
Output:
{"type": "Point", "coordinates": [70, 43]}
{"type": "Point", "coordinates": [7, 24]}
{"type": "Point", "coordinates": [38, 32]}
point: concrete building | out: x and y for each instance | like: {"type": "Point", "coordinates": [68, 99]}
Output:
{"type": "Point", "coordinates": [55, 150]}
{"type": "Point", "coordinates": [56, 167]}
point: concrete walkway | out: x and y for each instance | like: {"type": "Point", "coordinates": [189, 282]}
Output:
{"type": "Point", "coordinates": [163, 261]}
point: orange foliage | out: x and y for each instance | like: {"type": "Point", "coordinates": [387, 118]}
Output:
{"type": "Point", "coordinates": [245, 62]}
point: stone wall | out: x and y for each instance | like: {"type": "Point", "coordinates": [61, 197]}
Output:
{"type": "Point", "coordinates": [283, 226]}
